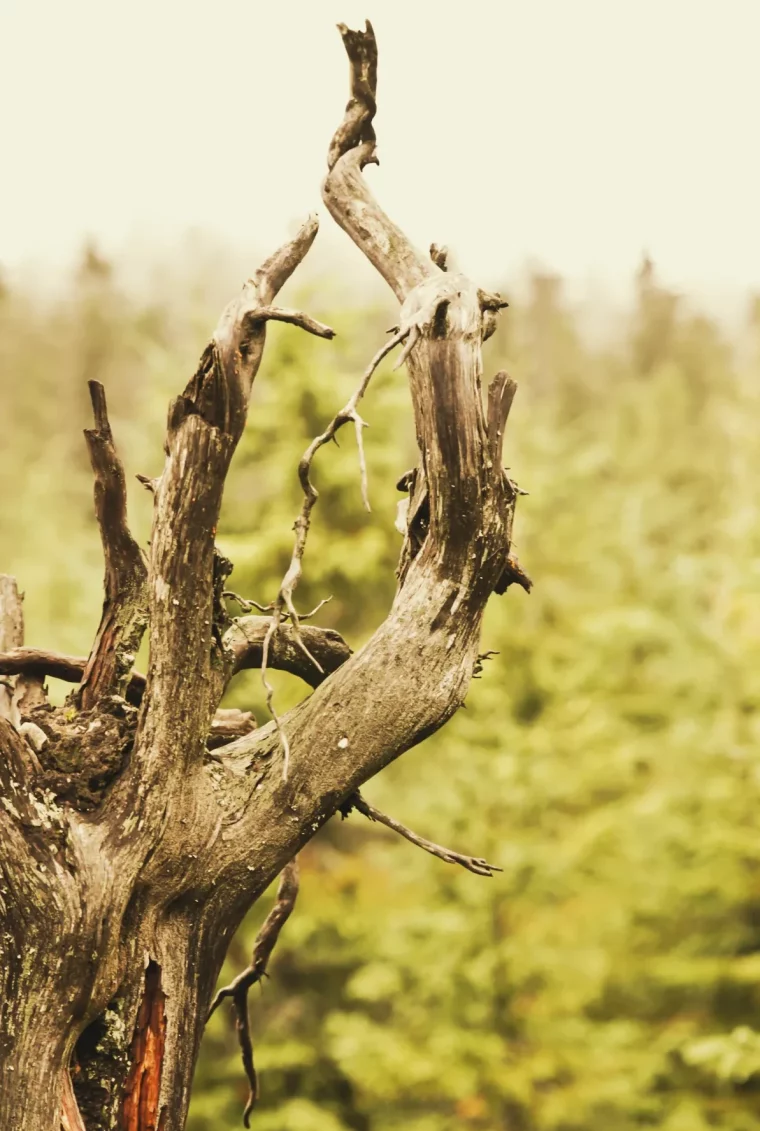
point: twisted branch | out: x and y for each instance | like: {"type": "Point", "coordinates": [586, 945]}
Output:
{"type": "Point", "coordinates": [244, 638]}
{"type": "Point", "coordinates": [344, 191]}
{"type": "Point", "coordinates": [283, 605]}
{"type": "Point", "coordinates": [265, 943]}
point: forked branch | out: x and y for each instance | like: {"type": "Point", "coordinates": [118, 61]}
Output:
{"type": "Point", "coordinates": [189, 668]}
{"type": "Point", "coordinates": [284, 604]}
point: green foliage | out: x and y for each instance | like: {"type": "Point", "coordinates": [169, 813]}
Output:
{"type": "Point", "coordinates": [607, 759]}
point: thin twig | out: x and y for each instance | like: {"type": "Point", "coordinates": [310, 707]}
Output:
{"type": "Point", "coordinates": [475, 864]}
{"type": "Point", "coordinates": [245, 603]}
{"type": "Point", "coordinates": [274, 624]}
{"type": "Point", "coordinates": [283, 605]}
{"type": "Point", "coordinates": [266, 940]}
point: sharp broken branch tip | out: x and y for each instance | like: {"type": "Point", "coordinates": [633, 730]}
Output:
{"type": "Point", "coordinates": [439, 255]}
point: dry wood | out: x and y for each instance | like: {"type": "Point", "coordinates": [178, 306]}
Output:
{"type": "Point", "coordinates": [124, 617]}
{"type": "Point", "coordinates": [20, 695]}
{"type": "Point", "coordinates": [475, 864]}
{"type": "Point", "coordinates": [115, 917]}
{"type": "Point", "coordinates": [266, 940]}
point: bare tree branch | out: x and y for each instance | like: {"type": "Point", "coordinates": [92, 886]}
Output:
{"type": "Point", "coordinates": [284, 604]}
{"type": "Point", "coordinates": [294, 317]}
{"type": "Point", "coordinates": [475, 864]}
{"type": "Point", "coordinates": [266, 940]}
{"type": "Point", "coordinates": [124, 616]}
{"type": "Point", "coordinates": [244, 638]}
{"type": "Point", "coordinates": [228, 724]}
{"type": "Point", "coordinates": [344, 192]}
{"type": "Point", "coordinates": [188, 666]}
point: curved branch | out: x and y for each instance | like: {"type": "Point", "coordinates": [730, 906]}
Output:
{"type": "Point", "coordinates": [414, 672]}
{"type": "Point", "coordinates": [475, 864]}
{"type": "Point", "coordinates": [266, 940]}
{"type": "Point", "coordinates": [344, 191]}
{"type": "Point", "coordinates": [245, 640]}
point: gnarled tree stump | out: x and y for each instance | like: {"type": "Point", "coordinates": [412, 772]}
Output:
{"type": "Point", "coordinates": [138, 825]}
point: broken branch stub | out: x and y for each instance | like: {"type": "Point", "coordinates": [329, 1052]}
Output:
{"type": "Point", "coordinates": [124, 616]}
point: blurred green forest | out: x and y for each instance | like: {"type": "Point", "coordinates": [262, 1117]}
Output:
{"type": "Point", "coordinates": [607, 760]}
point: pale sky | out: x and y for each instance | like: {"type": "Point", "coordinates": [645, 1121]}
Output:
{"type": "Point", "coordinates": [574, 133]}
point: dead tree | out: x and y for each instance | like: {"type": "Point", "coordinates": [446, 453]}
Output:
{"type": "Point", "coordinates": [140, 823]}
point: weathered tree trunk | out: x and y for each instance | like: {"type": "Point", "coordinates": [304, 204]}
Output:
{"type": "Point", "coordinates": [133, 835]}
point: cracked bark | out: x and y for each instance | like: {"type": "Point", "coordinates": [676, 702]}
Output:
{"type": "Point", "coordinates": [114, 923]}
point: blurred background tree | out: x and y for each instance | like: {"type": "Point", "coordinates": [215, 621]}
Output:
{"type": "Point", "coordinates": [609, 979]}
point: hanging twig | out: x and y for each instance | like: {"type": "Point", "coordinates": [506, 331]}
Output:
{"type": "Point", "coordinates": [266, 940]}
{"type": "Point", "coordinates": [283, 605]}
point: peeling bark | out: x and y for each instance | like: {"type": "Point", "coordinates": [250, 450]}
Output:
{"type": "Point", "coordinates": [140, 1111]}
{"type": "Point", "coordinates": [120, 894]}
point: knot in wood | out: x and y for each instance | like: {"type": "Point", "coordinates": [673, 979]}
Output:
{"type": "Point", "coordinates": [444, 306]}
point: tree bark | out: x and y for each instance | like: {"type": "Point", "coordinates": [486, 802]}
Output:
{"type": "Point", "coordinates": [131, 842]}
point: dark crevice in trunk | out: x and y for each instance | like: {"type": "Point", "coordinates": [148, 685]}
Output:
{"type": "Point", "coordinates": [99, 1068]}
